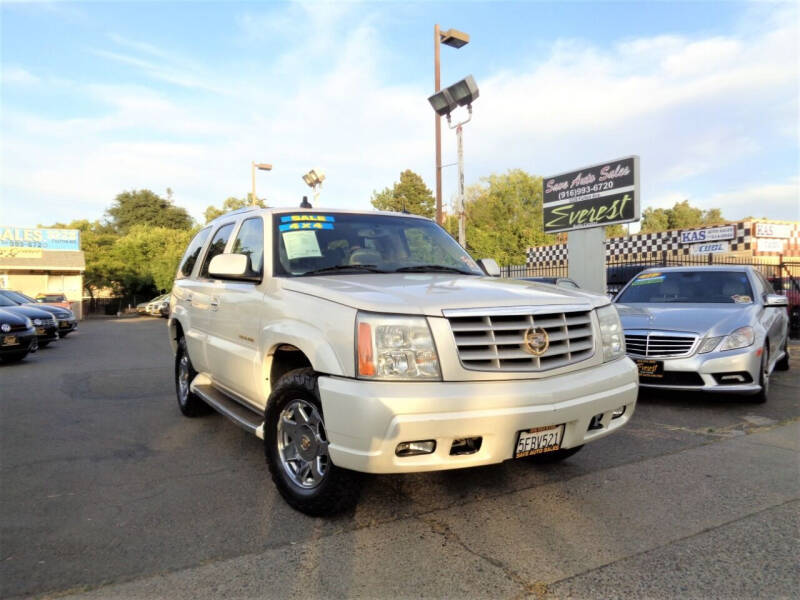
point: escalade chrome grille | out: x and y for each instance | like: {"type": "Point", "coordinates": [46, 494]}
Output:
{"type": "Point", "coordinates": [659, 344]}
{"type": "Point", "coordinates": [495, 340]}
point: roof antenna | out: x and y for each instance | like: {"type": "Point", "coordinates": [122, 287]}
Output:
{"type": "Point", "coordinates": [305, 203]}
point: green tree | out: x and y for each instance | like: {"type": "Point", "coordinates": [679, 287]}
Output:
{"type": "Point", "coordinates": [232, 203]}
{"type": "Point", "coordinates": [144, 207]}
{"type": "Point", "coordinates": [681, 216]}
{"type": "Point", "coordinates": [149, 257]}
{"type": "Point", "coordinates": [504, 217]}
{"type": "Point", "coordinates": [617, 230]}
{"type": "Point", "coordinates": [409, 194]}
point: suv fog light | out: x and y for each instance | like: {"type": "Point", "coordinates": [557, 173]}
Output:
{"type": "Point", "coordinates": [466, 446]}
{"type": "Point", "coordinates": [415, 448]}
{"type": "Point", "coordinates": [618, 412]}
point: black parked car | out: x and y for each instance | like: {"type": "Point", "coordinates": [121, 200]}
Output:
{"type": "Point", "coordinates": [43, 321]}
{"type": "Point", "coordinates": [17, 336]}
{"type": "Point", "coordinates": [67, 323]}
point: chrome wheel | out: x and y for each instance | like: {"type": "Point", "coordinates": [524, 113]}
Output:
{"type": "Point", "coordinates": [303, 444]}
{"type": "Point", "coordinates": [183, 379]}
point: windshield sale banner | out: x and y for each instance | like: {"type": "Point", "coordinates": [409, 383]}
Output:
{"type": "Point", "coordinates": [595, 196]}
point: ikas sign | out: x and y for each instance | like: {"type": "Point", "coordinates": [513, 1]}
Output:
{"type": "Point", "coordinates": [596, 196]}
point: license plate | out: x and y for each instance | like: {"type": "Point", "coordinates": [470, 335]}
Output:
{"type": "Point", "coordinates": [650, 369]}
{"type": "Point", "coordinates": [9, 340]}
{"type": "Point", "coordinates": [539, 440]}
{"type": "Point", "coordinates": [41, 331]}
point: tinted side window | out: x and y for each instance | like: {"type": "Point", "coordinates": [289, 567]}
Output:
{"type": "Point", "coordinates": [250, 242]}
{"type": "Point", "coordinates": [217, 246]}
{"type": "Point", "coordinates": [192, 252]}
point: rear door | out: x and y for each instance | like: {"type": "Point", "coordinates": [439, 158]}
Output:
{"type": "Point", "coordinates": [205, 298]}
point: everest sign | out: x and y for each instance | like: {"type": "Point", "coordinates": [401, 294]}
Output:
{"type": "Point", "coordinates": [595, 196]}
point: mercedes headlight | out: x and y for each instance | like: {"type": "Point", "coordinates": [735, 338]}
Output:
{"type": "Point", "coordinates": [709, 344]}
{"type": "Point", "coordinates": [741, 338]}
{"type": "Point", "coordinates": [392, 347]}
{"type": "Point", "coordinates": [611, 332]}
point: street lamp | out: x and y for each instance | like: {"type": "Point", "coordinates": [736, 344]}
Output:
{"type": "Point", "coordinates": [454, 39]}
{"type": "Point", "coordinates": [314, 179]}
{"type": "Point", "coordinates": [461, 93]}
{"type": "Point", "coordinates": [261, 167]}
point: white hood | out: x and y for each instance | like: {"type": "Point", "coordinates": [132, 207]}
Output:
{"type": "Point", "coordinates": [429, 293]}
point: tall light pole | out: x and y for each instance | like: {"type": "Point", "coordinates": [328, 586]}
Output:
{"type": "Point", "coordinates": [261, 167]}
{"type": "Point", "coordinates": [461, 93]}
{"type": "Point", "coordinates": [455, 39]}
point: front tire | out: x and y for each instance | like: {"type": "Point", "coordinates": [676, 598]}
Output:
{"type": "Point", "coordinates": [12, 357]}
{"type": "Point", "coordinates": [783, 364]}
{"type": "Point", "coordinates": [189, 403]}
{"type": "Point", "coordinates": [296, 449]}
{"type": "Point", "coordinates": [763, 378]}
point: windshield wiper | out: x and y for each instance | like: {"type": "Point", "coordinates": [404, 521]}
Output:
{"type": "Point", "coordinates": [335, 268]}
{"type": "Point", "coordinates": [424, 268]}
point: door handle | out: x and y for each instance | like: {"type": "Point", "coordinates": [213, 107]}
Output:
{"type": "Point", "coordinates": [214, 304]}
{"type": "Point", "coordinates": [188, 298]}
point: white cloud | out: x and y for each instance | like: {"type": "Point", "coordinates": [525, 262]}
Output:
{"type": "Point", "coordinates": [11, 75]}
{"type": "Point", "coordinates": [770, 200]}
{"type": "Point", "coordinates": [694, 109]}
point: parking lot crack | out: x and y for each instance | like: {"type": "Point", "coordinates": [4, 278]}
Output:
{"type": "Point", "coordinates": [537, 589]}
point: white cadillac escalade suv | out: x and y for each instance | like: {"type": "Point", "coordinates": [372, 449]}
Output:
{"type": "Point", "coordinates": [370, 342]}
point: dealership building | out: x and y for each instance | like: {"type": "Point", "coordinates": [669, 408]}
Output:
{"type": "Point", "coordinates": [41, 261]}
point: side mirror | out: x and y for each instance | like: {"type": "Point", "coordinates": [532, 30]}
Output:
{"type": "Point", "coordinates": [231, 266]}
{"type": "Point", "coordinates": [775, 300]}
{"type": "Point", "coordinates": [489, 267]}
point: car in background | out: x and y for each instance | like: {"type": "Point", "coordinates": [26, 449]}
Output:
{"type": "Point", "coordinates": [53, 299]}
{"type": "Point", "coordinates": [562, 282]}
{"type": "Point", "coordinates": [715, 328]}
{"type": "Point", "coordinates": [158, 307]}
{"type": "Point", "coordinates": [17, 336]}
{"type": "Point", "coordinates": [43, 321]}
{"type": "Point", "coordinates": [67, 323]}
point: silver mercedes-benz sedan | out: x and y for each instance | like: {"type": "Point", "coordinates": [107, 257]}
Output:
{"type": "Point", "coordinates": [716, 328]}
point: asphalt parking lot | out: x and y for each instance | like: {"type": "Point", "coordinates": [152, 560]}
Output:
{"type": "Point", "coordinates": [107, 491]}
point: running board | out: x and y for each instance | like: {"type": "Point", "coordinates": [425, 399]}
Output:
{"type": "Point", "coordinates": [223, 404]}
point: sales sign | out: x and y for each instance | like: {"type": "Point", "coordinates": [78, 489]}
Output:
{"type": "Point", "coordinates": [773, 230]}
{"type": "Point", "coordinates": [44, 239]}
{"type": "Point", "coordinates": [714, 234]}
{"type": "Point", "coordinates": [770, 245]}
{"type": "Point", "coordinates": [595, 196]}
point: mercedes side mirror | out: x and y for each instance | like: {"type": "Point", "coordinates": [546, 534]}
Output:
{"type": "Point", "coordinates": [775, 300]}
{"type": "Point", "coordinates": [489, 267]}
{"type": "Point", "coordinates": [231, 266]}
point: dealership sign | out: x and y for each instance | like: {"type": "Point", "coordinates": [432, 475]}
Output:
{"type": "Point", "coordinates": [714, 234]}
{"type": "Point", "coordinates": [44, 239]}
{"type": "Point", "coordinates": [773, 230]}
{"type": "Point", "coordinates": [770, 245]}
{"type": "Point", "coordinates": [595, 196]}
{"type": "Point", "coordinates": [709, 248]}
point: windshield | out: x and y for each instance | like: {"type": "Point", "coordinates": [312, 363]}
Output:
{"type": "Point", "coordinates": [51, 298]}
{"type": "Point", "coordinates": [325, 244]}
{"type": "Point", "coordinates": [720, 287]}
{"type": "Point", "coordinates": [17, 297]}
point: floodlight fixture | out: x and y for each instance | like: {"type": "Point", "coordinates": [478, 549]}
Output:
{"type": "Point", "coordinates": [314, 177]}
{"type": "Point", "coordinates": [454, 38]}
{"type": "Point", "coordinates": [443, 103]}
{"type": "Point", "coordinates": [464, 92]}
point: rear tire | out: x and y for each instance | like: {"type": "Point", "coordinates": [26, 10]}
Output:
{"type": "Point", "coordinates": [553, 457]}
{"type": "Point", "coordinates": [189, 403]}
{"type": "Point", "coordinates": [296, 449]}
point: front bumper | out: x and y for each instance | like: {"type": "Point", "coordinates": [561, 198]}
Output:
{"type": "Point", "coordinates": [366, 420]}
{"type": "Point", "coordinates": [706, 366]}
{"type": "Point", "coordinates": [47, 333]}
{"type": "Point", "coordinates": [67, 325]}
{"type": "Point", "coordinates": [24, 341]}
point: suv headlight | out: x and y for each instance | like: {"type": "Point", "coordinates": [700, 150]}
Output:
{"type": "Point", "coordinates": [611, 332]}
{"type": "Point", "coordinates": [741, 338]}
{"type": "Point", "coordinates": [392, 347]}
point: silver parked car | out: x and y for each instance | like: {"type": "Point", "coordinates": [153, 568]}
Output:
{"type": "Point", "coordinates": [718, 329]}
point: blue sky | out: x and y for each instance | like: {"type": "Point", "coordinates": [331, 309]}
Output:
{"type": "Point", "coordinates": [102, 97]}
